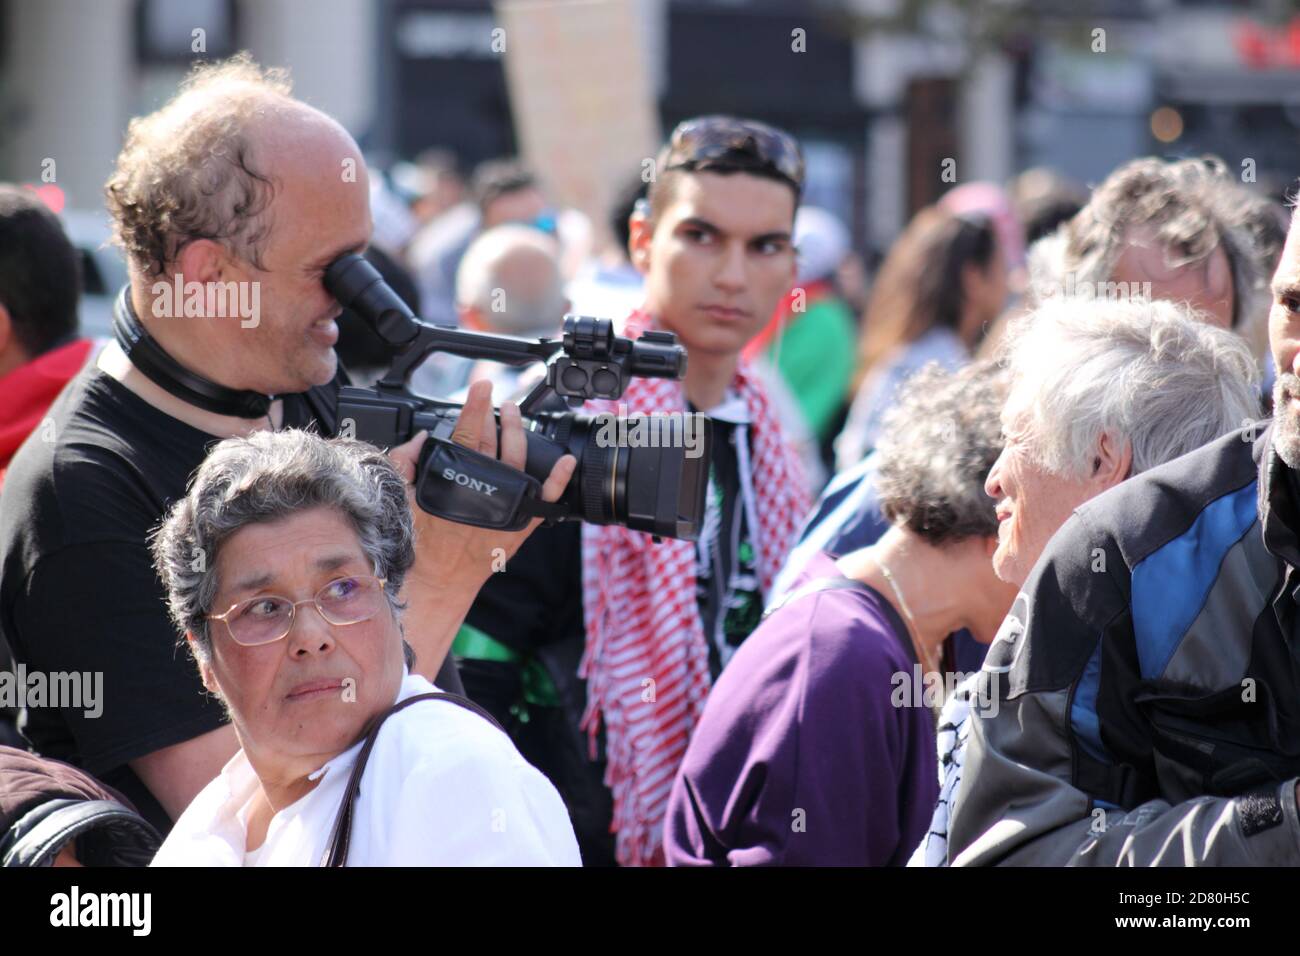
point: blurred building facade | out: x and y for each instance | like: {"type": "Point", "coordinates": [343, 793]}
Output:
{"type": "Point", "coordinates": [881, 92]}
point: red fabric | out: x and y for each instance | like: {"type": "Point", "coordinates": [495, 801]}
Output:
{"type": "Point", "coordinates": [643, 622]}
{"type": "Point", "coordinates": [28, 391]}
{"type": "Point", "coordinates": [812, 292]}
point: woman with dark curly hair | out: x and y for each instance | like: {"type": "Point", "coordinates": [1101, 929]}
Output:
{"type": "Point", "coordinates": [817, 745]}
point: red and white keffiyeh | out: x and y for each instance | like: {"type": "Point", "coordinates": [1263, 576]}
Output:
{"type": "Point", "coordinates": [647, 658]}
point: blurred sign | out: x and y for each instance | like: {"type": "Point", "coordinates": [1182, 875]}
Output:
{"type": "Point", "coordinates": [436, 33]}
{"type": "Point", "coordinates": [1067, 79]}
{"type": "Point", "coordinates": [1263, 47]}
{"type": "Point", "coordinates": [580, 94]}
{"type": "Point", "coordinates": [177, 31]}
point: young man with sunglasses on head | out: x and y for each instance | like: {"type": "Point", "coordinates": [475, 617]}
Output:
{"type": "Point", "coordinates": [650, 625]}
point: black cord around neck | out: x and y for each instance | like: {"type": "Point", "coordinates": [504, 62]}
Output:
{"type": "Point", "coordinates": [167, 373]}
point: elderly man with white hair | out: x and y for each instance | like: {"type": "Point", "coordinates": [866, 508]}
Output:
{"type": "Point", "coordinates": [1100, 391]}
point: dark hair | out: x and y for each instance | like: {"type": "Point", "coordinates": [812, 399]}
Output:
{"type": "Point", "coordinates": [40, 273]}
{"type": "Point", "coordinates": [624, 205]}
{"type": "Point", "coordinates": [1042, 217]}
{"type": "Point", "coordinates": [495, 178]}
{"type": "Point", "coordinates": [724, 144]}
{"type": "Point", "coordinates": [919, 286]}
{"type": "Point", "coordinates": [1043, 199]}
{"type": "Point", "coordinates": [939, 442]}
{"type": "Point", "coordinates": [664, 188]}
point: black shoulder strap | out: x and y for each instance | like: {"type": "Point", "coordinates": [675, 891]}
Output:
{"type": "Point", "coordinates": [170, 375]}
{"type": "Point", "coordinates": [336, 853]}
{"type": "Point", "coordinates": [815, 587]}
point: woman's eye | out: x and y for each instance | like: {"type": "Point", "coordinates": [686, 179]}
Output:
{"type": "Point", "coordinates": [262, 607]}
{"type": "Point", "coordinates": [1291, 303]}
{"type": "Point", "coordinates": [337, 590]}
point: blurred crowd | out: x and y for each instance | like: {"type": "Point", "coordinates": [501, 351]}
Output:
{"type": "Point", "coordinates": [997, 565]}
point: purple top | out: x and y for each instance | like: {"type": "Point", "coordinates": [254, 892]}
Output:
{"type": "Point", "coordinates": [801, 757]}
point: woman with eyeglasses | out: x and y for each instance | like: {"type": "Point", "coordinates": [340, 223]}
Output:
{"type": "Point", "coordinates": [944, 280]}
{"type": "Point", "coordinates": [283, 566]}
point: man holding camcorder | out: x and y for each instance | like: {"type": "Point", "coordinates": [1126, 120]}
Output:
{"type": "Point", "coordinates": [230, 202]}
{"type": "Point", "coordinates": [655, 622]}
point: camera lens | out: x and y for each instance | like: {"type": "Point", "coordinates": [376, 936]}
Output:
{"type": "Point", "coordinates": [653, 486]}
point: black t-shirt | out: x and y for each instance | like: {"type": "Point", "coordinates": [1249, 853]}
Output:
{"type": "Point", "coordinates": [78, 592]}
{"type": "Point", "coordinates": [726, 574]}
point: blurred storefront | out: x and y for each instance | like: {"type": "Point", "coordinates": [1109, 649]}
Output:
{"type": "Point", "coordinates": [886, 95]}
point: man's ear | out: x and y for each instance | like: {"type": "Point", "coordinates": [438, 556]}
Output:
{"type": "Point", "coordinates": [205, 667]}
{"type": "Point", "coordinates": [1113, 462]}
{"type": "Point", "coordinates": [200, 261]}
{"type": "Point", "coordinates": [641, 232]}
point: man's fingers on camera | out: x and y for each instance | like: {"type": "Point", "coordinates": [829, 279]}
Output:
{"type": "Point", "coordinates": [405, 456]}
{"type": "Point", "coordinates": [487, 433]}
{"type": "Point", "coordinates": [514, 445]}
{"type": "Point", "coordinates": [559, 478]}
{"type": "Point", "coordinates": [469, 423]}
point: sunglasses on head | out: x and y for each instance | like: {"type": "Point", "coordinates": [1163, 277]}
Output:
{"type": "Point", "coordinates": [737, 143]}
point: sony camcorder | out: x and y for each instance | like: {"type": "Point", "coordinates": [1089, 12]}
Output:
{"type": "Point", "coordinates": [646, 472]}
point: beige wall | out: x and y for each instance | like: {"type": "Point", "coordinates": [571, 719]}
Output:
{"type": "Point", "coordinates": [72, 81]}
{"type": "Point", "coordinates": [54, 47]}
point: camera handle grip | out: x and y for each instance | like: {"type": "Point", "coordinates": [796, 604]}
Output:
{"type": "Point", "coordinates": [468, 487]}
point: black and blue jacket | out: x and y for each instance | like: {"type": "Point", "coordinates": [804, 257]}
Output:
{"type": "Point", "coordinates": [1141, 703]}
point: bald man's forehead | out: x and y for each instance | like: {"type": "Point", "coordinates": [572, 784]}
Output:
{"type": "Point", "coordinates": [525, 257]}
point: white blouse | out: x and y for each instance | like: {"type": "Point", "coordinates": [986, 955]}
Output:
{"type": "Point", "coordinates": [442, 787]}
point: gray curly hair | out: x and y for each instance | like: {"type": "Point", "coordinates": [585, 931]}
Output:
{"type": "Point", "coordinates": [265, 477]}
{"type": "Point", "coordinates": [939, 442]}
{"type": "Point", "coordinates": [187, 171]}
{"type": "Point", "coordinates": [1193, 206]}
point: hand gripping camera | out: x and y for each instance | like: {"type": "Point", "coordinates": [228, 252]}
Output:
{"type": "Point", "coordinates": [657, 486]}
